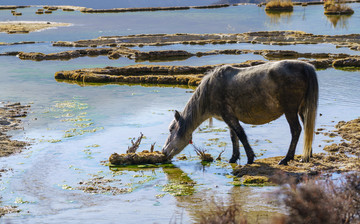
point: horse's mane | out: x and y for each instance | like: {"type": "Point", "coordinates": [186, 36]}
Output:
{"type": "Point", "coordinates": [197, 106]}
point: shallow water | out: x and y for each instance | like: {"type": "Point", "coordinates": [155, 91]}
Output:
{"type": "Point", "coordinates": [234, 19]}
{"type": "Point", "coordinates": [75, 126]}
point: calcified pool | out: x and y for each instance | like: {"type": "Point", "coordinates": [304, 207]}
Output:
{"type": "Point", "coordinates": [73, 127]}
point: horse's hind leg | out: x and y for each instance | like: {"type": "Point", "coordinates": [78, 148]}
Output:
{"type": "Point", "coordinates": [295, 129]}
{"type": "Point", "coordinates": [235, 126]}
{"type": "Point", "coordinates": [235, 142]}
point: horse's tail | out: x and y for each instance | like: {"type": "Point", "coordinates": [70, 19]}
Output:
{"type": "Point", "coordinates": [309, 110]}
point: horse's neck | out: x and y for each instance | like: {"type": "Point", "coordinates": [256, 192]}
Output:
{"type": "Point", "coordinates": [195, 113]}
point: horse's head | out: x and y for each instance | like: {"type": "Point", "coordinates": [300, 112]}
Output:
{"type": "Point", "coordinates": [178, 138]}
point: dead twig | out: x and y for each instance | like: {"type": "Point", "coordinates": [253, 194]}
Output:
{"type": "Point", "coordinates": [152, 147]}
{"type": "Point", "coordinates": [135, 145]}
{"type": "Point", "coordinates": [206, 157]}
{"type": "Point", "coordinates": [219, 156]}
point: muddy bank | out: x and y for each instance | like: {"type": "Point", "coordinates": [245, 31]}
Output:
{"type": "Point", "coordinates": [8, 209]}
{"type": "Point", "coordinates": [7, 7]}
{"type": "Point", "coordinates": [66, 55]}
{"type": "Point", "coordinates": [9, 120]}
{"type": "Point", "coordinates": [155, 74]}
{"type": "Point", "coordinates": [19, 43]}
{"type": "Point", "coordinates": [337, 158]}
{"type": "Point", "coordinates": [13, 27]}
{"type": "Point", "coordinates": [167, 55]}
{"type": "Point", "coordinates": [351, 41]}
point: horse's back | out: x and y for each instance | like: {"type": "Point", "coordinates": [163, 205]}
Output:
{"type": "Point", "coordinates": [262, 93]}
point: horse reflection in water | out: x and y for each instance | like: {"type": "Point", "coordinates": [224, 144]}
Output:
{"type": "Point", "coordinates": [254, 95]}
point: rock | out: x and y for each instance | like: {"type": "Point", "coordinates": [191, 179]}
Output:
{"type": "Point", "coordinates": [347, 62]}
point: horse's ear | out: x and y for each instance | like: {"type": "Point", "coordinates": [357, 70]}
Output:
{"type": "Point", "coordinates": [177, 115]}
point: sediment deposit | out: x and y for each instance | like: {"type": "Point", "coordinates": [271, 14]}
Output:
{"type": "Point", "coordinates": [351, 41]}
{"type": "Point", "coordinates": [154, 74]}
{"type": "Point", "coordinates": [12, 27]}
{"type": "Point", "coordinates": [341, 157]}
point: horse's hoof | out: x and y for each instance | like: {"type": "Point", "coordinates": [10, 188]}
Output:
{"type": "Point", "coordinates": [250, 161]}
{"type": "Point", "coordinates": [283, 162]}
{"type": "Point", "coordinates": [233, 160]}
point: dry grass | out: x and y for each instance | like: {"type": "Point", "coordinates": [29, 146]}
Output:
{"type": "Point", "coordinates": [219, 213]}
{"type": "Point", "coordinates": [314, 201]}
{"type": "Point", "coordinates": [333, 7]}
{"type": "Point", "coordinates": [322, 201]}
{"type": "Point", "coordinates": [205, 157]}
{"type": "Point", "coordinates": [279, 5]}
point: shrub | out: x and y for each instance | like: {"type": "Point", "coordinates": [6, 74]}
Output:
{"type": "Point", "coordinates": [279, 5]}
{"type": "Point", "coordinates": [323, 201]}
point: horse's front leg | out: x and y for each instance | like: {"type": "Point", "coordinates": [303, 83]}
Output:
{"type": "Point", "coordinates": [295, 129]}
{"type": "Point", "coordinates": [235, 143]}
{"type": "Point", "coordinates": [235, 126]}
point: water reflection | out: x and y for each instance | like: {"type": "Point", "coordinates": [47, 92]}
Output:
{"type": "Point", "coordinates": [277, 18]}
{"type": "Point", "coordinates": [339, 21]}
{"type": "Point", "coordinates": [198, 201]}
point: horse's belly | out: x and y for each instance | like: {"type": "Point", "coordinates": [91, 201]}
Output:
{"type": "Point", "coordinates": [258, 119]}
{"type": "Point", "coordinates": [259, 115]}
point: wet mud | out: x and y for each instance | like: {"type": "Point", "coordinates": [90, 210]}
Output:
{"type": "Point", "coordinates": [337, 158]}
{"type": "Point", "coordinates": [9, 120]}
{"type": "Point", "coordinates": [8, 209]}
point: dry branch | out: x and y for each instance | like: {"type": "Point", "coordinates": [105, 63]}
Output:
{"type": "Point", "coordinates": [135, 145]}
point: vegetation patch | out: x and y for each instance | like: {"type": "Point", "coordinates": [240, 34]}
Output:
{"type": "Point", "coordinates": [133, 158]}
{"type": "Point", "coordinates": [205, 157]}
{"type": "Point", "coordinates": [279, 6]}
{"type": "Point", "coordinates": [101, 185]}
{"type": "Point", "coordinates": [314, 201]}
{"type": "Point", "coordinates": [333, 7]}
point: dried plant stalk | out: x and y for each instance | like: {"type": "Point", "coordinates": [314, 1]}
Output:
{"type": "Point", "coordinates": [205, 157]}
{"type": "Point", "coordinates": [135, 145]}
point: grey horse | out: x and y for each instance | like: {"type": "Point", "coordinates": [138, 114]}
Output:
{"type": "Point", "coordinates": [253, 95]}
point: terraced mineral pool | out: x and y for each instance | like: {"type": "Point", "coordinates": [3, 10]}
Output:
{"type": "Point", "coordinates": [73, 127]}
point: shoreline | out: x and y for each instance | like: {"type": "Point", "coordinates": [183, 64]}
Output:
{"type": "Point", "coordinates": [10, 119]}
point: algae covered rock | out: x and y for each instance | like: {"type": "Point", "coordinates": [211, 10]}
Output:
{"type": "Point", "coordinates": [144, 157]}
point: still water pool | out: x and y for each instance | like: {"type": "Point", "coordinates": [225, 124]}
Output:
{"type": "Point", "coordinates": [75, 126]}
